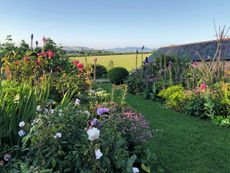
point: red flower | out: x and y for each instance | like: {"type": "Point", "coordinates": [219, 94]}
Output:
{"type": "Point", "coordinates": [50, 54]}
{"type": "Point", "coordinates": [203, 86]}
{"type": "Point", "coordinates": [42, 54]}
{"type": "Point", "coordinates": [75, 62]}
{"type": "Point", "coordinates": [80, 66]}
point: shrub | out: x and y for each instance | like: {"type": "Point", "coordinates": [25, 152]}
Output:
{"type": "Point", "coordinates": [101, 71]}
{"type": "Point", "coordinates": [135, 82]}
{"type": "Point", "coordinates": [174, 96]}
{"type": "Point", "coordinates": [118, 75]}
{"type": "Point", "coordinates": [134, 127]}
{"type": "Point", "coordinates": [196, 106]}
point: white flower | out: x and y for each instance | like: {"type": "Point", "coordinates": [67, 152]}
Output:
{"type": "Point", "coordinates": [39, 108]}
{"type": "Point", "coordinates": [98, 154]}
{"type": "Point", "coordinates": [77, 102]}
{"type": "Point", "coordinates": [7, 157]}
{"type": "Point", "coordinates": [51, 111]}
{"type": "Point", "coordinates": [93, 133]}
{"type": "Point", "coordinates": [135, 170]}
{"type": "Point", "coordinates": [22, 124]}
{"type": "Point", "coordinates": [57, 135]}
{"type": "Point", "coordinates": [21, 133]}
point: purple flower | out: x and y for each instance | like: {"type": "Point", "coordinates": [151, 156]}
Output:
{"type": "Point", "coordinates": [94, 122]}
{"type": "Point", "coordinates": [101, 111]}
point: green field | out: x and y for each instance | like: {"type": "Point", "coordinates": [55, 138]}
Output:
{"type": "Point", "coordinates": [127, 61]}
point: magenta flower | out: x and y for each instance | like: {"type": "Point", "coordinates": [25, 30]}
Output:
{"type": "Point", "coordinates": [203, 86]}
{"type": "Point", "coordinates": [101, 111]}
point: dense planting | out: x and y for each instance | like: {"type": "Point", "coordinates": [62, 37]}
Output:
{"type": "Point", "coordinates": [199, 90]}
{"type": "Point", "coordinates": [53, 120]}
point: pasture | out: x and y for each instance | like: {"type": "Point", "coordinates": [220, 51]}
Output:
{"type": "Point", "coordinates": [127, 61]}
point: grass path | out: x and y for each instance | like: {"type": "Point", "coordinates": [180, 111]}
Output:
{"type": "Point", "coordinates": [185, 144]}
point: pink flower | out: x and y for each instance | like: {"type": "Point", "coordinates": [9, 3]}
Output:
{"type": "Point", "coordinates": [50, 54]}
{"type": "Point", "coordinates": [75, 62]}
{"type": "Point", "coordinates": [194, 64]}
{"type": "Point", "coordinates": [80, 66]}
{"type": "Point", "coordinates": [203, 86]}
{"type": "Point", "coordinates": [42, 54]}
{"type": "Point", "coordinates": [37, 61]}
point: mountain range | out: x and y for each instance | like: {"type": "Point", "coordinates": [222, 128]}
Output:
{"type": "Point", "coordinates": [116, 50]}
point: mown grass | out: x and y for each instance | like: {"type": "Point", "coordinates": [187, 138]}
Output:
{"type": "Point", "coordinates": [127, 61]}
{"type": "Point", "coordinates": [185, 144]}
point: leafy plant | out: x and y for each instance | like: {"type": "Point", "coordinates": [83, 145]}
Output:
{"type": "Point", "coordinates": [118, 75]}
{"type": "Point", "coordinates": [174, 97]}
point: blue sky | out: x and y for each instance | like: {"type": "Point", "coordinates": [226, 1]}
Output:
{"type": "Point", "coordinates": [113, 23]}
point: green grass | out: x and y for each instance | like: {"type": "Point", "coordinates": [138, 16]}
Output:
{"type": "Point", "coordinates": [127, 61]}
{"type": "Point", "coordinates": [185, 144]}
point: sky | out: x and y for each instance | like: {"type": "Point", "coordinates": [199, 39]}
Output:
{"type": "Point", "coordinates": [104, 24]}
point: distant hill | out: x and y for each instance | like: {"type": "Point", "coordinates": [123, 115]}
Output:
{"type": "Point", "coordinates": [115, 50]}
{"type": "Point", "coordinates": [128, 49]}
{"type": "Point", "coordinates": [76, 48]}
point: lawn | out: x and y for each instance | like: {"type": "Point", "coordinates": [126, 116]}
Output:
{"type": "Point", "coordinates": [127, 61]}
{"type": "Point", "coordinates": [185, 144]}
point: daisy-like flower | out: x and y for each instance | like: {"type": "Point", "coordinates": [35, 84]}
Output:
{"type": "Point", "coordinates": [98, 154]}
{"type": "Point", "coordinates": [93, 134]}
{"type": "Point", "coordinates": [22, 124]}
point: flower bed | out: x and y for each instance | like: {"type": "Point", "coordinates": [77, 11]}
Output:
{"type": "Point", "coordinates": [52, 121]}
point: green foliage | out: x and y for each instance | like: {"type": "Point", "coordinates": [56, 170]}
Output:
{"type": "Point", "coordinates": [135, 82]}
{"type": "Point", "coordinates": [118, 75]}
{"type": "Point", "coordinates": [18, 103]}
{"type": "Point", "coordinates": [153, 77]}
{"type": "Point", "coordinates": [174, 97]}
{"type": "Point", "coordinates": [101, 71]}
{"type": "Point", "coordinates": [73, 151]}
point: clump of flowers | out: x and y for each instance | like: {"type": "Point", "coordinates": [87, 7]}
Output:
{"type": "Point", "coordinates": [134, 126]}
